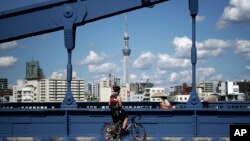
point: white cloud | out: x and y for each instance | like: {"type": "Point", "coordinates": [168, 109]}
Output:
{"type": "Point", "coordinates": [248, 67]}
{"type": "Point", "coordinates": [133, 77]}
{"type": "Point", "coordinates": [161, 71]}
{"type": "Point", "coordinates": [144, 61]}
{"type": "Point", "coordinates": [213, 47]}
{"type": "Point", "coordinates": [217, 77]}
{"type": "Point", "coordinates": [237, 12]}
{"type": "Point", "coordinates": [8, 45]}
{"type": "Point", "coordinates": [93, 58]}
{"type": "Point", "coordinates": [208, 74]}
{"type": "Point", "coordinates": [173, 77]}
{"type": "Point", "coordinates": [207, 48]}
{"type": "Point", "coordinates": [203, 74]}
{"type": "Point", "coordinates": [210, 48]}
{"type": "Point", "coordinates": [243, 47]}
{"type": "Point", "coordinates": [62, 74]}
{"type": "Point", "coordinates": [7, 61]}
{"type": "Point", "coordinates": [100, 77]}
{"type": "Point", "coordinates": [103, 68]}
{"type": "Point", "coordinates": [144, 76]}
{"type": "Point", "coordinates": [200, 18]}
{"type": "Point", "coordinates": [217, 43]}
{"type": "Point", "coordinates": [152, 78]}
{"type": "Point", "coordinates": [58, 75]}
{"type": "Point", "coordinates": [181, 76]}
{"type": "Point", "coordinates": [182, 46]}
{"type": "Point", "coordinates": [166, 61]}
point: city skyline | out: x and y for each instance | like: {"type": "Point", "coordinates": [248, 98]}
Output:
{"type": "Point", "coordinates": [160, 38]}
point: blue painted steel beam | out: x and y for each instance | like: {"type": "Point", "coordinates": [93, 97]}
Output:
{"type": "Point", "coordinates": [88, 122]}
{"type": "Point", "coordinates": [45, 17]}
{"type": "Point", "coordinates": [193, 101]}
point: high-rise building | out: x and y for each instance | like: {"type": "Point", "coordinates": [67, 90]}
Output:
{"type": "Point", "coordinates": [33, 70]}
{"type": "Point", "coordinates": [95, 90]}
{"type": "Point", "coordinates": [126, 52]}
{"type": "Point", "coordinates": [134, 91]}
{"type": "Point", "coordinates": [47, 90]}
{"type": "Point", "coordinates": [244, 87]}
{"type": "Point", "coordinates": [207, 87]}
{"type": "Point", "coordinates": [102, 88]}
{"type": "Point", "coordinates": [139, 88]}
{"type": "Point", "coordinates": [54, 90]}
{"type": "Point", "coordinates": [26, 91]}
{"type": "Point", "coordinates": [5, 92]}
{"type": "Point", "coordinates": [3, 83]}
{"type": "Point", "coordinates": [229, 90]}
{"type": "Point", "coordinates": [176, 90]}
{"type": "Point", "coordinates": [205, 91]}
{"type": "Point", "coordinates": [186, 89]}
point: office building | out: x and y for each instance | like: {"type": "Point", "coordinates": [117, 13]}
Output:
{"type": "Point", "coordinates": [33, 70]}
{"type": "Point", "coordinates": [3, 83]}
{"type": "Point", "coordinates": [229, 91]}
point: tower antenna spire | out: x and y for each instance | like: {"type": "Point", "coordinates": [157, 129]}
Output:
{"type": "Point", "coordinates": [126, 52]}
{"type": "Point", "coordinates": [126, 25]}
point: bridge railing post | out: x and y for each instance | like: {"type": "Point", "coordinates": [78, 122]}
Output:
{"type": "Point", "coordinates": [68, 18]}
{"type": "Point", "coordinates": [193, 101]}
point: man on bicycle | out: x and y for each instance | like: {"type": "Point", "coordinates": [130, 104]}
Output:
{"type": "Point", "coordinates": [115, 104]}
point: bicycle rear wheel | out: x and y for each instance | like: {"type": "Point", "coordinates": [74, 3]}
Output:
{"type": "Point", "coordinates": [138, 132]}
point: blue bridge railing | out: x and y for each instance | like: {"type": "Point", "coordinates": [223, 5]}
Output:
{"type": "Point", "coordinates": [129, 105]}
{"type": "Point", "coordinates": [50, 120]}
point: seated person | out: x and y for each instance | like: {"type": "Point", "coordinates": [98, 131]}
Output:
{"type": "Point", "coordinates": [165, 104]}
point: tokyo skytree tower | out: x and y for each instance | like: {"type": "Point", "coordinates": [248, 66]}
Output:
{"type": "Point", "coordinates": [126, 52]}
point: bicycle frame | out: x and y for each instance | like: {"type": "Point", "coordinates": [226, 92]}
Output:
{"type": "Point", "coordinates": [132, 125]}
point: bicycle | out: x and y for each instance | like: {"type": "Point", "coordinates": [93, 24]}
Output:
{"type": "Point", "coordinates": [112, 131]}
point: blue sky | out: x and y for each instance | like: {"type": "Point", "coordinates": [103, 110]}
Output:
{"type": "Point", "coordinates": [160, 40]}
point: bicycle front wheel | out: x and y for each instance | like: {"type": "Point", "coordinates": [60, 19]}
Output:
{"type": "Point", "coordinates": [109, 133]}
{"type": "Point", "coordinates": [104, 131]}
{"type": "Point", "coordinates": [138, 132]}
